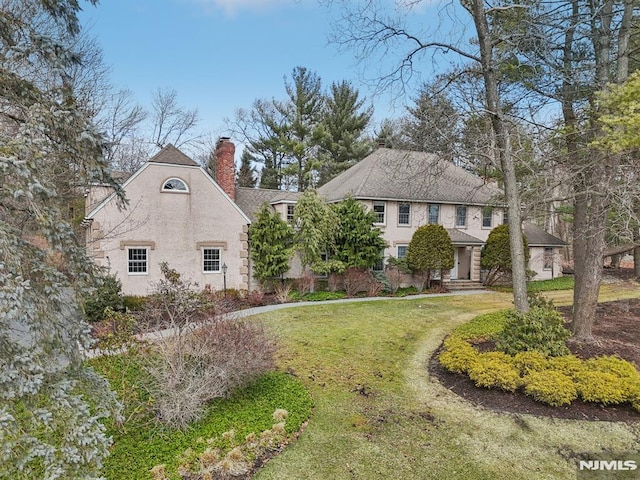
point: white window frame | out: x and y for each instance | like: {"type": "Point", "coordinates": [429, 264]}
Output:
{"type": "Point", "coordinates": [129, 260]}
{"type": "Point", "coordinates": [437, 206]}
{"type": "Point", "coordinates": [204, 260]}
{"type": "Point", "coordinates": [547, 254]}
{"type": "Point", "coordinates": [466, 213]}
{"type": "Point", "coordinates": [402, 215]}
{"type": "Point", "coordinates": [290, 215]}
{"type": "Point", "coordinates": [172, 190]}
{"type": "Point", "coordinates": [380, 203]}
{"type": "Point", "coordinates": [398, 247]}
{"type": "Point", "coordinates": [490, 210]}
{"type": "Point", "coordinates": [505, 216]}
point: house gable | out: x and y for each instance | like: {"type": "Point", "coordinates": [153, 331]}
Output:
{"type": "Point", "coordinates": [176, 213]}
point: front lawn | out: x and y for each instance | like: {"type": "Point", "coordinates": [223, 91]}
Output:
{"type": "Point", "coordinates": [379, 415]}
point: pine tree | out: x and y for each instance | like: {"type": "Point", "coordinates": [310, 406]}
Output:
{"type": "Point", "coordinates": [271, 245]}
{"type": "Point", "coordinates": [247, 173]}
{"type": "Point", "coordinates": [341, 132]}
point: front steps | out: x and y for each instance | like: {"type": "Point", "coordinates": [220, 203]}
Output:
{"type": "Point", "coordinates": [461, 285]}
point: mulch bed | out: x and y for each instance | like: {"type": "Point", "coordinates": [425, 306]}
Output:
{"type": "Point", "coordinates": [617, 332]}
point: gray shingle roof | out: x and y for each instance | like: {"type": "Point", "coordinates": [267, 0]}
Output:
{"type": "Point", "coordinates": [461, 238]}
{"type": "Point", "coordinates": [250, 200]}
{"type": "Point", "coordinates": [537, 237]}
{"type": "Point", "coordinates": [173, 156]}
{"type": "Point", "coordinates": [389, 174]}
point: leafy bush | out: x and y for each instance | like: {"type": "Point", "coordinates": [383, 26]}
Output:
{"type": "Point", "coordinates": [457, 355]}
{"type": "Point", "coordinates": [538, 329]}
{"type": "Point", "coordinates": [495, 369]}
{"type": "Point", "coordinates": [530, 362]}
{"type": "Point", "coordinates": [551, 387]}
{"type": "Point", "coordinates": [195, 366]}
{"type": "Point", "coordinates": [570, 365]}
{"type": "Point", "coordinates": [108, 294]}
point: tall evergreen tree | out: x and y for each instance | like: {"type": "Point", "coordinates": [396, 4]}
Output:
{"type": "Point", "coordinates": [302, 112]}
{"type": "Point", "coordinates": [50, 401]}
{"type": "Point", "coordinates": [430, 251]}
{"type": "Point", "coordinates": [246, 176]}
{"type": "Point", "coordinates": [341, 132]}
{"type": "Point", "coordinates": [433, 123]}
{"type": "Point", "coordinates": [271, 245]}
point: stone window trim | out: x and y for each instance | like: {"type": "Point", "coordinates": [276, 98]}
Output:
{"type": "Point", "coordinates": [151, 245]}
{"type": "Point", "coordinates": [211, 244]}
{"type": "Point", "coordinates": [174, 185]}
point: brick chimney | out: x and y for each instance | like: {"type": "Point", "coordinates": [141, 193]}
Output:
{"type": "Point", "coordinates": [225, 166]}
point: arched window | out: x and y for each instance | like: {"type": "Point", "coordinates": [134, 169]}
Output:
{"type": "Point", "coordinates": [175, 185]}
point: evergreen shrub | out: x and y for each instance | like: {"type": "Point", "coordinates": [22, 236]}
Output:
{"type": "Point", "coordinates": [495, 369]}
{"type": "Point", "coordinates": [538, 329]}
{"type": "Point", "coordinates": [108, 294]}
{"type": "Point", "coordinates": [458, 355]}
{"type": "Point", "coordinates": [550, 387]}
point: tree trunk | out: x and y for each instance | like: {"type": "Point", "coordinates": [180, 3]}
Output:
{"type": "Point", "coordinates": [507, 164]}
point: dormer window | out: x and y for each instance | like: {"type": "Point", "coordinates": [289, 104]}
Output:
{"type": "Point", "coordinates": [175, 185]}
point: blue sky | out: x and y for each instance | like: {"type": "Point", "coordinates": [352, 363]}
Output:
{"type": "Point", "coordinates": [220, 55]}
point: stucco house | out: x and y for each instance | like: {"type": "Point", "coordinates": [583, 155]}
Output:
{"type": "Point", "coordinates": [408, 189]}
{"type": "Point", "coordinates": [178, 214]}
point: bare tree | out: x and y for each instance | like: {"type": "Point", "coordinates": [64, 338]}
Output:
{"type": "Point", "coordinates": [372, 32]}
{"type": "Point", "coordinates": [171, 122]}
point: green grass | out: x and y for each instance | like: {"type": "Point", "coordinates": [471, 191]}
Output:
{"type": "Point", "coordinates": [537, 286]}
{"type": "Point", "coordinates": [141, 443]}
{"type": "Point", "coordinates": [379, 415]}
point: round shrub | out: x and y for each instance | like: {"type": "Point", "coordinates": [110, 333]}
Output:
{"type": "Point", "coordinates": [538, 329]}
{"type": "Point", "coordinates": [529, 362]}
{"type": "Point", "coordinates": [495, 369]}
{"type": "Point", "coordinates": [496, 254]}
{"type": "Point", "coordinates": [551, 387]}
{"type": "Point", "coordinates": [457, 355]}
